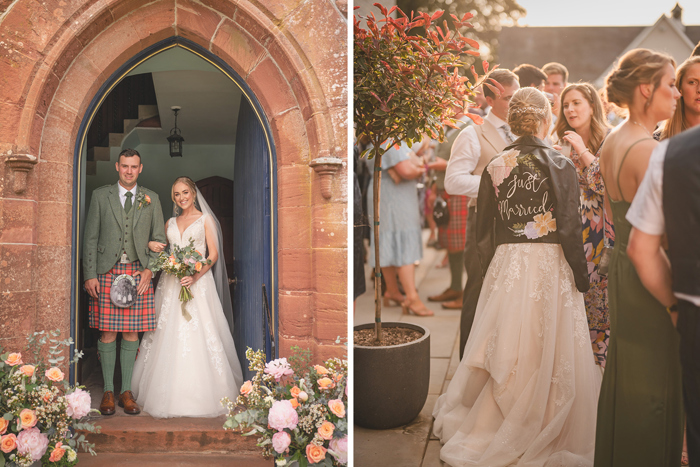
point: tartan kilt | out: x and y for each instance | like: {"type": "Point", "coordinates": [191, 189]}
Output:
{"type": "Point", "coordinates": [453, 236]}
{"type": "Point", "coordinates": [105, 316]}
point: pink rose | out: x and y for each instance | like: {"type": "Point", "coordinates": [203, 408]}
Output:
{"type": "Point", "coordinates": [78, 403]}
{"type": "Point", "coordinates": [28, 418]}
{"type": "Point", "coordinates": [8, 443]}
{"type": "Point", "coordinates": [282, 415]}
{"type": "Point", "coordinates": [338, 448]}
{"type": "Point", "coordinates": [14, 359]}
{"type": "Point", "coordinates": [337, 407]}
{"type": "Point", "coordinates": [27, 370]}
{"type": "Point", "coordinates": [315, 454]}
{"type": "Point", "coordinates": [281, 441]}
{"type": "Point", "coordinates": [278, 368]}
{"type": "Point", "coordinates": [32, 442]}
{"type": "Point", "coordinates": [57, 453]}
{"type": "Point", "coordinates": [54, 374]}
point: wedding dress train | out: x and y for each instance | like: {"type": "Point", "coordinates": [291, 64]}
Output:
{"type": "Point", "coordinates": [526, 391]}
{"type": "Point", "coordinates": [184, 368]}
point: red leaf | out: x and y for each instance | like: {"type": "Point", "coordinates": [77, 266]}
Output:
{"type": "Point", "coordinates": [471, 42]}
{"type": "Point", "coordinates": [498, 85]}
{"type": "Point", "coordinates": [476, 76]}
{"type": "Point", "coordinates": [436, 15]}
{"type": "Point", "coordinates": [356, 8]}
{"type": "Point", "coordinates": [472, 52]}
{"type": "Point", "coordinates": [475, 118]}
{"type": "Point", "coordinates": [467, 16]}
{"type": "Point", "coordinates": [393, 9]}
{"type": "Point", "coordinates": [381, 8]}
{"type": "Point", "coordinates": [485, 64]}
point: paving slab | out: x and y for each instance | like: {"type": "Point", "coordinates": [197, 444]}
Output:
{"type": "Point", "coordinates": [432, 455]}
{"type": "Point", "coordinates": [438, 370]}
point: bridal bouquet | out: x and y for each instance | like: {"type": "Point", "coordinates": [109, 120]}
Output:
{"type": "Point", "coordinates": [297, 410]}
{"type": "Point", "coordinates": [182, 262]}
{"type": "Point", "coordinates": [40, 410]}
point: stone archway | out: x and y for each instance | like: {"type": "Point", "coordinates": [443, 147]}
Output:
{"type": "Point", "coordinates": [56, 62]}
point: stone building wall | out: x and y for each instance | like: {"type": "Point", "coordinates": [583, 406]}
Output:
{"type": "Point", "coordinates": [55, 55]}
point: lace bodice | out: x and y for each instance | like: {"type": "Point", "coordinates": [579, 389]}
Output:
{"type": "Point", "coordinates": [193, 231]}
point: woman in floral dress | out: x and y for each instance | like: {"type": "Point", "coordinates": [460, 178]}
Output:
{"type": "Point", "coordinates": [582, 127]}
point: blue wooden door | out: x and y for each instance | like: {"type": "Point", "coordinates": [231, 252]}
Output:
{"type": "Point", "coordinates": [251, 236]}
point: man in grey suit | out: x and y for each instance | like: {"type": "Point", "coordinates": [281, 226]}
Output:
{"type": "Point", "coordinates": [122, 219]}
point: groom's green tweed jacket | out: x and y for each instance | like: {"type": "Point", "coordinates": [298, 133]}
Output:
{"type": "Point", "coordinates": [104, 228]}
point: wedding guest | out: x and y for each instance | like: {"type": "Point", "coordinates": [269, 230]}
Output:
{"type": "Point", "coordinates": [557, 80]}
{"type": "Point", "coordinates": [667, 204]}
{"type": "Point", "coordinates": [526, 391]}
{"type": "Point", "coordinates": [452, 235]}
{"type": "Point", "coordinates": [530, 76]}
{"type": "Point", "coordinates": [474, 147]}
{"type": "Point", "coordinates": [687, 114]}
{"type": "Point", "coordinates": [640, 397]}
{"type": "Point", "coordinates": [581, 129]}
{"type": "Point", "coordinates": [400, 244]}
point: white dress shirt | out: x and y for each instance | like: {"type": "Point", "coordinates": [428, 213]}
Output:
{"type": "Point", "coordinates": [122, 194]}
{"type": "Point", "coordinates": [647, 210]}
{"type": "Point", "coordinates": [464, 158]}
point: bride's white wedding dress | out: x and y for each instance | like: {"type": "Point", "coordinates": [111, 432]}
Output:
{"type": "Point", "coordinates": [183, 368]}
{"type": "Point", "coordinates": [526, 391]}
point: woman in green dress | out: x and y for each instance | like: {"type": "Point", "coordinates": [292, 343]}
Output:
{"type": "Point", "coordinates": [640, 410]}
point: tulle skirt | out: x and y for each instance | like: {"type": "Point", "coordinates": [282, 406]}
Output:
{"type": "Point", "coordinates": [184, 368]}
{"type": "Point", "coordinates": [526, 391]}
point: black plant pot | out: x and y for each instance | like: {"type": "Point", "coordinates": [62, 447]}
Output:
{"type": "Point", "coordinates": [391, 383]}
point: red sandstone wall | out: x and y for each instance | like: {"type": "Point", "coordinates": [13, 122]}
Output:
{"type": "Point", "coordinates": [54, 56]}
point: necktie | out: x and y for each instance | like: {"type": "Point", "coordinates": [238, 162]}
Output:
{"type": "Point", "coordinates": [127, 203]}
{"type": "Point", "coordinates": [510, 137]}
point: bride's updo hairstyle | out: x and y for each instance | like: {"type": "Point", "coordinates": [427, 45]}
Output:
{"type": "Point", "coordinates": [190, 184]}
{"type": "Point", "coordinates": [528, 110]}
{"type": "Point", "coordinates": [638, 66]}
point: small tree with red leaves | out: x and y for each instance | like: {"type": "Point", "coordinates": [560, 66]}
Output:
{"type": "Point", "coordinates": [406, 86]}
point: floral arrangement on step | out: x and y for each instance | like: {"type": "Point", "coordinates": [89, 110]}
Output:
{"type": "Point", "coordinates": [297, 410]}
{"type": "Point", "coordinates": [40, 410]}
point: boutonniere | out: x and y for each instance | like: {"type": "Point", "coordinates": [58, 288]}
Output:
{"type": "Point", "coordinates": [143, 199]}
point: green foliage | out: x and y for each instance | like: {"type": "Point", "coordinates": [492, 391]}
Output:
{"type": "Point", "coordinates": [300, 359]}
{"type": "Point", "coordinates": [489, 17]}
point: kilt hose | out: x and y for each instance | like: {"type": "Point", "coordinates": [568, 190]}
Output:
{"type": "Point", "coordinates": [105, 316]}
{"type": "Point", "coordinates": [453, 235]}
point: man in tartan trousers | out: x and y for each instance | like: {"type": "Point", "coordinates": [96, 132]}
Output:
{"type": "Point", "coordinates": [122, 219]}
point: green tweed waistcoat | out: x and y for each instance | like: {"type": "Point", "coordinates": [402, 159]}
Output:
{"type": "Point", "coordinates": [108, 228]}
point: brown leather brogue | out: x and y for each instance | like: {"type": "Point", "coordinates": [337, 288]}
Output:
{"type": "Point", "coordinates": [107, 404]}
{"type": "Point", "coordinates": [448, 294]}
{"type": "Point", "coordinates": [127, 401]}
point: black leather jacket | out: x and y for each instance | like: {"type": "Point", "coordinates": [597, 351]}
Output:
{"type": "Point", "coordinates": [529, 193]}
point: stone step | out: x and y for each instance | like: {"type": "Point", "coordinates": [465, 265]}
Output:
{"type": "Point", "coordinates": [147, 111]}
{"type": "Point", "coordinates": [115, 139]}
{"type": "Point", "coordinates": [172, 459]}
{"type": "Point", "coordinates": [99, 153]}
{"type": "Point", "coordinates": [144, 434]}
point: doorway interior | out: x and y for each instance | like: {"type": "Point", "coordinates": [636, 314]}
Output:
{"type": "Point", "coordinates": [227, 151]}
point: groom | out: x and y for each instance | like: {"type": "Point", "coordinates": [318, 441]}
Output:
{"type": "Point", "coordinates": [122, 219]}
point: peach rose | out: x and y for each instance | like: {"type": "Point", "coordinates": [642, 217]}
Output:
{"type": "Point", "coordinates": [198, 266]}
{"type": "Point", "coordinates": [326, 430]}
{"type": "Point", "coordinates": [295, 403]}
{"type": "Point", "coordinates": [57, 453]}
{"type": "Point", "coordinates": [148, 200]}
{"type": "Point", "coordinates": [8, 443]}
{"type": "Point", "coordinates": [321, 370]}
{"type": "Point", "coordinates": [295, 391]}
{"type": "Point", "coordinates": [14, 359]}
{"type": "Point", "coordinates": [54, 374]}
{"type": "Point", "coordinates": [325, 383]}
{"type": "Point", "coordinates": [246, 388]}
{"type": "Point", "coordinates": [315, 454]}
{"type": "Point", "coordinates": [28, 418]}
{"type": "Point", "coordinates": [337, 407]}
{"type": "Point", "coordinates": [27, 370]}
{"type": "Point", "coordinates": [3, 425]}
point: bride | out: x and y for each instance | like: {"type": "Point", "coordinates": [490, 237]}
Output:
{"type": "Point", "coordinates": [184, 368]}
{"type": "Point", "coordinates": [526, 391]}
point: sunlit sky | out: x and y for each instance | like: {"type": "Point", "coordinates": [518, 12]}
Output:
{"type": "Point", "coordinates": [604, 12]}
